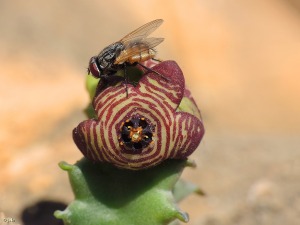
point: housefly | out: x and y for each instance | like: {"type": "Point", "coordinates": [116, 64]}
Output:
{"type": "Point", "coordinates": [135, 48]}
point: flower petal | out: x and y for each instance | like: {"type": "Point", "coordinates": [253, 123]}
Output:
{"type": "Point", "coordinates": [171, 90]}
{"type": "Point", "coordinates": [155, 100]}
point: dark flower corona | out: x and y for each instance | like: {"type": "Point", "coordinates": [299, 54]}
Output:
{"type": "Point", "coordinates": [144, 128]}
{"type": "Point", "coordinates": [136, 134]}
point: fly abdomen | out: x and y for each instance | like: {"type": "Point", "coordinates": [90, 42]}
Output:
{"type": "Point", "coordinates": [142, 56]}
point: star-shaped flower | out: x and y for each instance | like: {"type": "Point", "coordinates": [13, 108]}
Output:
{"type": "Point", "coordinates": [158, 120]}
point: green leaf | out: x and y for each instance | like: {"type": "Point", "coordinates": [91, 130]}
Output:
{"type": "Point", "coordinates": [90, 112]}
{"type": "Point", "coordinates": [91, 84]}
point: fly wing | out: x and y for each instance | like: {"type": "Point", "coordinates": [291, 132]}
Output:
{"type": "Point", "coordinates": [137, 48]}
{"type": "Point", "coordinates": [142, 32]}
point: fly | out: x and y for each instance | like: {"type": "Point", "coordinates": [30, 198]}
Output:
{"type": "Point", "coordinates": [135, 48]}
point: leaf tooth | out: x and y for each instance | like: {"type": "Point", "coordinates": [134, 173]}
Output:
{"type": "Point", "coordinates": [182, 216]}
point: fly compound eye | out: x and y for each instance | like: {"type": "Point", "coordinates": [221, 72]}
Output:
{"type": "Point", "coordinates": [94, 68]}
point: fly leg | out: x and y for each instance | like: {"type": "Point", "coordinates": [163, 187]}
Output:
{"type": "Point", "coordinates": [151, 70]}
{"type": "Point", "coordinates": [126, 79]}
{"type": "Point", "coordinates": [157, 60]}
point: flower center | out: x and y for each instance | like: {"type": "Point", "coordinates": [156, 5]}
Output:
{"type": "Point", "coordinates": [136, 133]}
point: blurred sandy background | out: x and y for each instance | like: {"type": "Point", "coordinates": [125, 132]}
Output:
{"type": "Point", "coordinates": [241, 60]}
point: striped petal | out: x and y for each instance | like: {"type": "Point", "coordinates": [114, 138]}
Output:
{"type": "Point", "coordinates": [144, 128]}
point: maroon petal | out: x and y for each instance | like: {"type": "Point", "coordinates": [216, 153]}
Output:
{"type": "Point", "coordinates": [142, 129]}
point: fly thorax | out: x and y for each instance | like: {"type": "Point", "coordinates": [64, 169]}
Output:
{"type": "Point", "coordinates": [107, 56]}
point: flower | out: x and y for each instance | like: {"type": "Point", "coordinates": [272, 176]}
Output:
{"type": "Point", "coordinates": [146, 127]}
